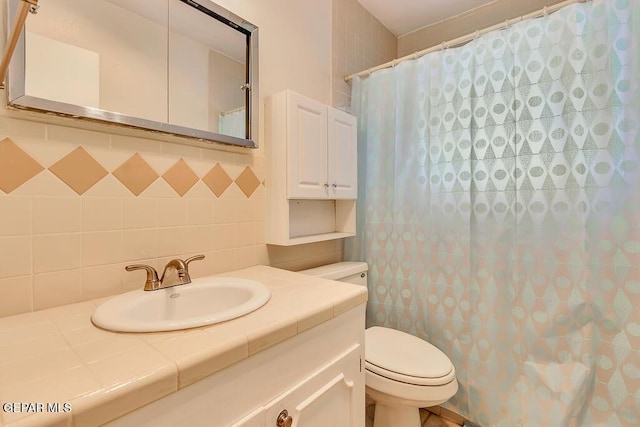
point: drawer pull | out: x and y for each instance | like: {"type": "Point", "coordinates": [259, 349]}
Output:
{"type": "Point", "coordinates": [284, 419]}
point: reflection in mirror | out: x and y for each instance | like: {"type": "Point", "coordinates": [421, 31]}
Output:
{"type": "Point", "coordinates": [168, 65]}
{"type": "Point", "coordinates": [97, 54]}
{"type": "Point", "coordinates": [208, 95]}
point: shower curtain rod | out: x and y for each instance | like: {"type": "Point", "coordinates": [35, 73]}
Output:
{"type": "Point", "coordinates": [465, 38]}
{"type": "Point", "coordinates": [26, 6]}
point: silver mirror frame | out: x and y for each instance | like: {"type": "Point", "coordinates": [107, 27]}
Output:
{"type": "Point", "coordinates": [17, 98]}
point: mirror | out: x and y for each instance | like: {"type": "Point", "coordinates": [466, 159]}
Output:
{"type": "Point", "coordinates": [180, 67]}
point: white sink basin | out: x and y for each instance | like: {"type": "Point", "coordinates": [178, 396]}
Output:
{"type": "Point", "coordinates": [204, 301]}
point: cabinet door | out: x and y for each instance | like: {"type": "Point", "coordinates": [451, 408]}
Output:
{"type": "Point", "coordinates": [306, 148]}
{"type": "Point", "coordinates": [331, 396]}
{"type": "Point", "coordinates": [254, 419]}
{"type": "Point", "coordinates": [343, 155]}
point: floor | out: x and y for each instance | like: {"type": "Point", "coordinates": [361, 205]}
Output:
{"type": "Point", "coordinates": [429, 419]}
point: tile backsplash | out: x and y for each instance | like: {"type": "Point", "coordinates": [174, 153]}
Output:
{"type": "Point", "coordinates": [76, 206]}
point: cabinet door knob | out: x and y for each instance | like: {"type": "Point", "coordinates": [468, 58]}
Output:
{"type": "Point", "coordinates": [284, 419]}
{"type": "Point", "coordinates": [326, 185]}
{"type": "Point", "coordinates": [334, 185]}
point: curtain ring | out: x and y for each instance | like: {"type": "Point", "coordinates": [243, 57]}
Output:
{"type": "Point", "coordinates": [415, 55]}
{"type": "Point", "coordinates": [544, 10]}
{"type": "Point", "coordinates": [442, 47]}
{"type": "Point", "coordinates": [506, 24]}
{"type": "Point", "coordinates": [476, 34]}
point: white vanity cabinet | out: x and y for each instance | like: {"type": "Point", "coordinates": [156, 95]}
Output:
{"type": "Point", "coordinates": [328, 397]}
{"type": "Point", "coordinates": [317, 377]}
{"type": "Point", "coordinates": [312, 170]}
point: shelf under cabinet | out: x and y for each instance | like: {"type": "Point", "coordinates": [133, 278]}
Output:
{"type": "Point", "coordinates": [317, 238]}
{"type": "Point", "coordinates": [307, 221]}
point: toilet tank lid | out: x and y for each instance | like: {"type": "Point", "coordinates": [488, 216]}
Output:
{"type": "Point", "coordinates": [337, 271]}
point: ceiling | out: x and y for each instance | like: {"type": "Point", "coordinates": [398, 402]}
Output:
{"type": "Point", "coordinates": [404, 16]}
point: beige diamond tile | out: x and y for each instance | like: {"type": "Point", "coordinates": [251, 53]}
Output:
{"type": "Point", "coordinates": [16, 166]}
{"type": "Point", "coordinates": [217, 180]}
{"type": "Point", "coordinates": [79, 170]}
{"type": "Point", "coordinates": [180, 177]}
{"type": "Point", "coordinates": [135, 174]}
{"type": "Point", "coordinates": [247, 181]}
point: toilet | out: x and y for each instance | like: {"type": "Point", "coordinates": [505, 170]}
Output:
{"type": "Point", "coordinates": [402, 373]}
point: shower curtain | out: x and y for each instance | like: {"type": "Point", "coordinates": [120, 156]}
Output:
{"type": "Point", "coordinates": [499, 213]}
{"type": "Point", "coordinates": [232, 122]}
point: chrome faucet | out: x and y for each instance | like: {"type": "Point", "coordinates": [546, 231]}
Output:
{"type": "Point", "coordinates": [177, 269]}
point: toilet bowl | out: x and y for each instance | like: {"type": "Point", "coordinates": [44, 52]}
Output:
{"type": "Point", "coordinates": [402, 372]}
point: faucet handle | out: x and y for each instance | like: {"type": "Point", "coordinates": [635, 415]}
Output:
{"type": "Point", "coordinates": [152, 282]}
{"type": "Point", "coordinates": [193, 258]}
{"type": "Point", "coordinates": [186, 266]}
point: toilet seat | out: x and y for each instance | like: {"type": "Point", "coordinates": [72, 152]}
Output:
{"type": "Point", "coordinates": [401, 357]}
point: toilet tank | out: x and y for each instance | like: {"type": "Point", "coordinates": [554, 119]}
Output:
{"type": "Point", "coordinates": [350, 272]}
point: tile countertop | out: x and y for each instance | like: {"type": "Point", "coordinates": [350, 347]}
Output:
{"type": "Point", "coordinates": [59, 356]}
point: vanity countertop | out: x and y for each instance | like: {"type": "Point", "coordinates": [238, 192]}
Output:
{"type": "Point", "coordinates": [58, 369]}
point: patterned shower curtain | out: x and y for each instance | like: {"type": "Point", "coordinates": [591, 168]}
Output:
{"type": "Point", "coordinates": [499, 213]}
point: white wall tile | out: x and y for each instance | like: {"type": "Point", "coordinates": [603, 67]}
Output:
{"type": "Point", "coordinates": [245, 234]}
{"type": "Point", "coordinates": [77, 136]}
{"type": "Point", "coordinates": [22, 128]}
{"type": "Point", "coordinates": [245, 256]}
{"type": "Point", "coordinates": [102, 281]}
{"type": "Point", "coordinates": [140, 244]}
{"type": "Point", "coordinates": [101, 214]}
{"type": "Point", "coordinates": [15, 256]}
{"type": "Point", "coordinates": [57, 288]}
{"type": "Point", "coordinates": [52, 252]}
{"type": "Point", "coordinates": [57, 214]}
{"type": "Point", "coordinates": [171, 241]}
{"type": "Point", "coordinates": [101, 247]}
{"type": "Point", "coordinates": [199, 238]}
{"type": "Point", "coordinates": [15, 295]}
{"type": "Point", "coordinates": [140, 213]}
{"type": "Point", "coordinates": [223, 212]}
{"type": "Point", "coordinates": [199, 211]}
{"type": "Point", "coordinates": [16, 214]}
{"type": "Point", "coordinates": [172, 212]}
{"type": "Point", "coordinates": [224, 236]}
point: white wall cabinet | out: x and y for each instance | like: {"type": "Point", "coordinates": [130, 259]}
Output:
{"type": "Point", "coordinates": [321, 149]}
{"type": "Point", "coordinates": [342, 155]}
{"type": "Point", "coordinates": [305, 129]}
{"type": "Point", "coordinates": [316, 376]}
{"type": "Point", "coordinates": [312, 170]}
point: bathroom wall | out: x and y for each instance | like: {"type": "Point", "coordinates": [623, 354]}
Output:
{"type": "Point", "coordinates": [79, 201]}
{"type": "Point", "coordinates": [359, 41]}
{"type": "Point", "coordinates": [479, 18]}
